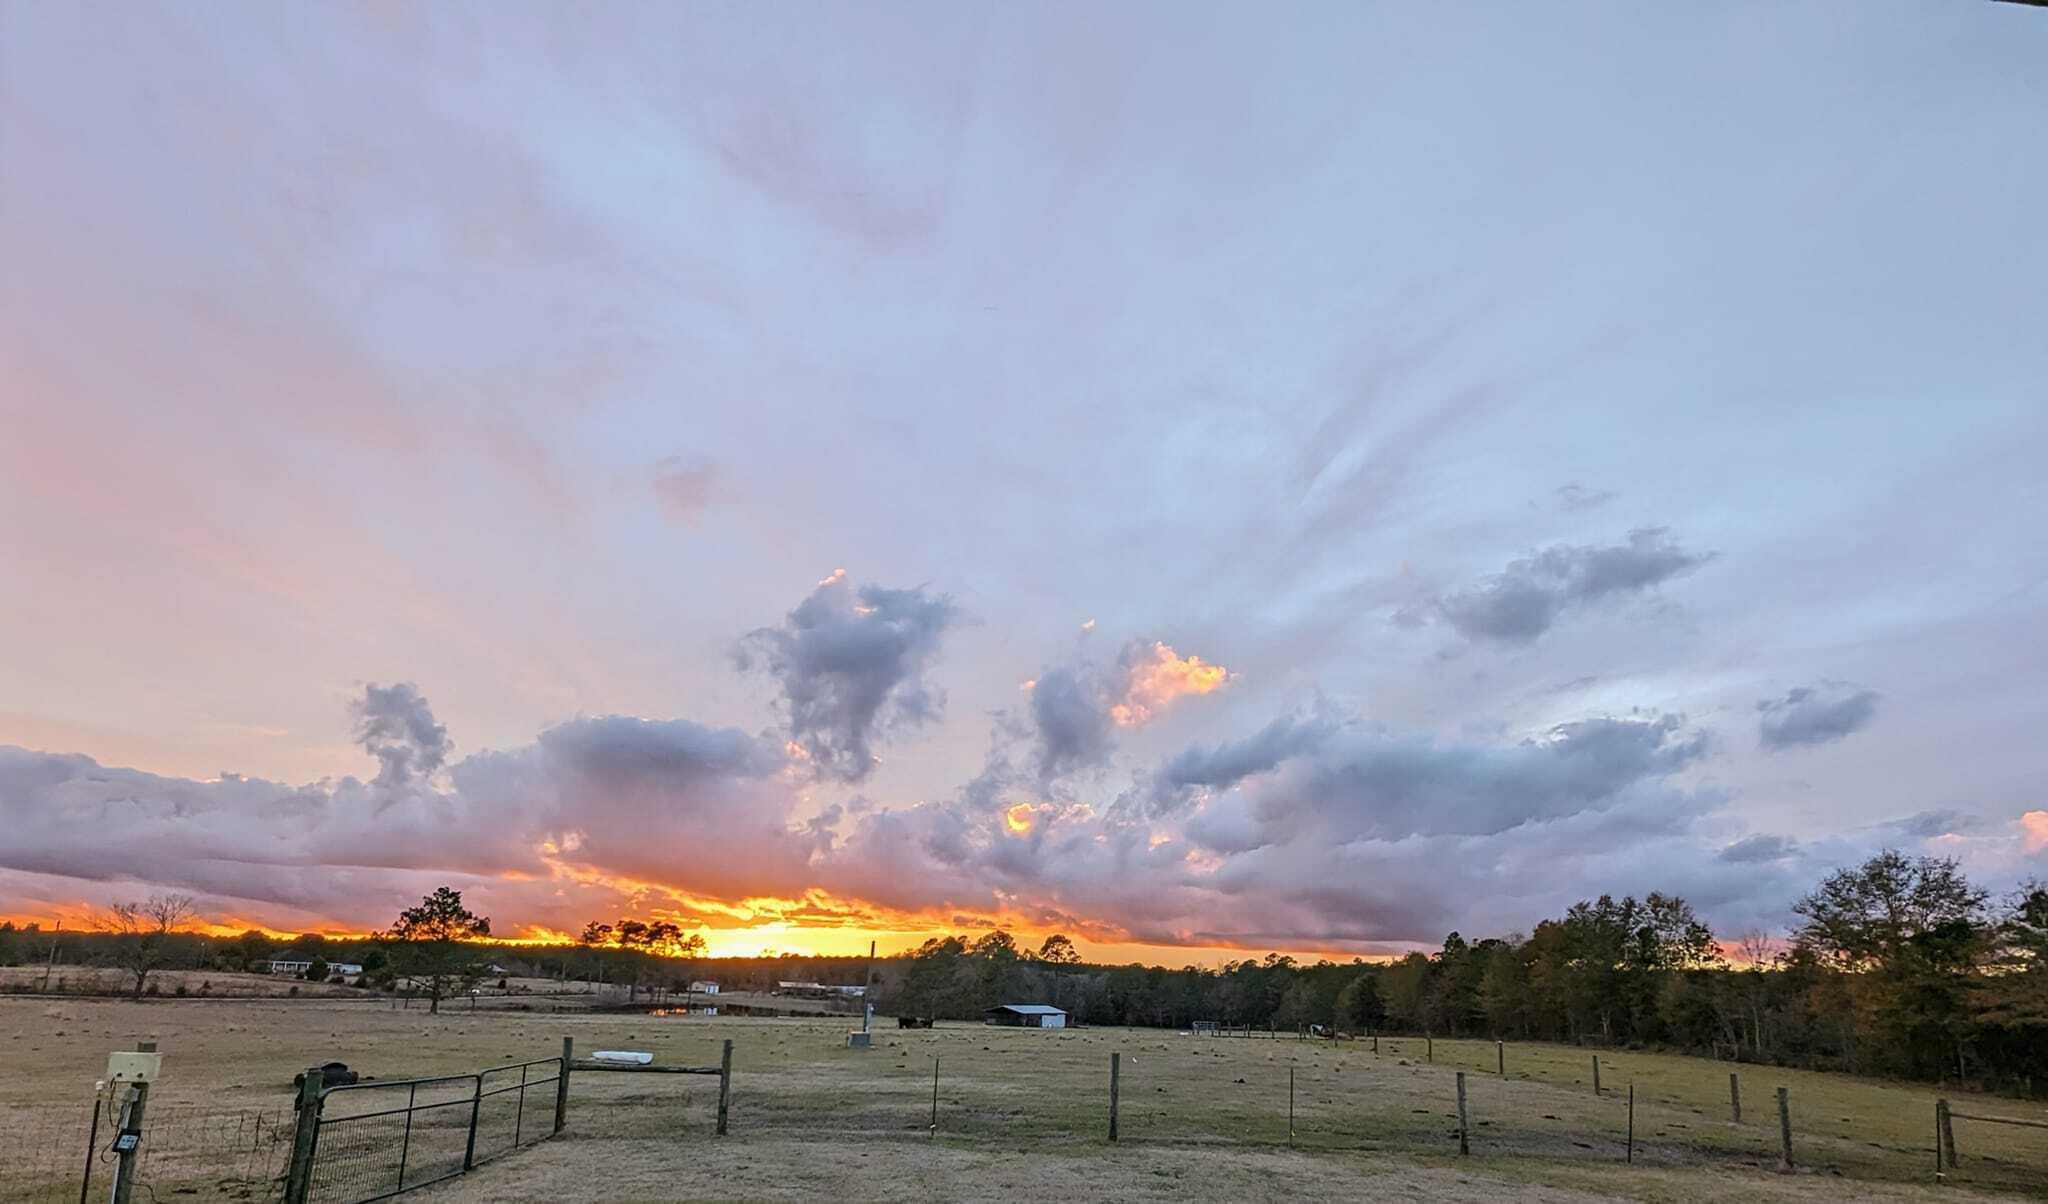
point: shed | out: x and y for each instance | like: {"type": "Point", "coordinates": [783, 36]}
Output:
{"type": "Point", "coordinates": [1026, 1015]}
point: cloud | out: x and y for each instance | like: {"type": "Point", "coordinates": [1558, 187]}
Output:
{"type": "Point", "coordinates": [1076, 708]}
{"type": "Point", "coordinates": [395, 725]}
{"type": "Point", "coordinates": [682, 489]}
{"type": "Point", "coordinates": [1575, 497]}
{"type": "Point", "coordinates": [1814, 715]}
{"type": "Point", "coordinates": [851, 664]}
{"type": "Point", "coordinates": [1530, 596]}
{"type": "Point", "coordinates": [1760, 847]}
{"type": "Point", "coordinates": [1926, 825]}
{"type": "Point", "coordinates": [1209, 768]}
{"type": "Point", "coordinates": [2034, 830]}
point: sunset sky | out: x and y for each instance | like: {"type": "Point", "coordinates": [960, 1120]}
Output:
{"type": "Point", "coordinates": [1201, 482]}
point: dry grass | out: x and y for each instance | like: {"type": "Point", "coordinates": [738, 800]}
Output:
{"type": "Point", "coordinates": [1023, 1110]}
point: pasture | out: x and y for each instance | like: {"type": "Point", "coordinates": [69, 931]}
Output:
{"type": "Point", "coordinates": [1027, 1111]}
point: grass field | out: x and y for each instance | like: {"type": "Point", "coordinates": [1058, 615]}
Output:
{"type": "Point", "coordinates": [1026, 1111]}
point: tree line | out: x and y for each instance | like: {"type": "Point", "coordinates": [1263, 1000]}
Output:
{"type": "Point", "coordinates": [1900, 966]}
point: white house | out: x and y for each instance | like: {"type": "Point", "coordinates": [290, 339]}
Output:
{"type": "Point", "coordinates": [704, 988]}
{"type": "Point", "coordinates": [288, 965]}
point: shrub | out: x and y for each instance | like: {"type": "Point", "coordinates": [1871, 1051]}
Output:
{"type": "Point", "coordinates": [180, 992]}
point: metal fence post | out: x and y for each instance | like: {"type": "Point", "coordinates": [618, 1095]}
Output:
{"type": "Point", "coordinates": [724, 1086]}
{"type": "Point", "coordinates": [562, 1084]}
{"type": "Point", "coordinates": [476, 1105]}
{"type": "Point", "coordinates": [298, 1176]}
{"type": "Point", "coordinates": [1735, 1097]}
{"type": "Point", "coordinates": [1631, 1155]}
{"type": "Point", "coordinates": [412, 1097]}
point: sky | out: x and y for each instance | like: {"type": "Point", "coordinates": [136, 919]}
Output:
{"type": "Point", "coordinates": [1206, 479]}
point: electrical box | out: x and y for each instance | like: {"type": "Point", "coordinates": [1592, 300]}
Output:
{"type": "Point", "coordinates": [126, 1067]}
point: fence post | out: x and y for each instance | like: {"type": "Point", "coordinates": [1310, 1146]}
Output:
{"type": "Point", "coordinates": [1500, 1053]}
{"type": "Point", "coordinates": [124, 1170]}
{"type": "Point", "coordinates": [1375, 1045]}
{"type": "Point", "coordinates": [1630, 1156]}
{"type": "Point", "coordinates": [1428, 1047]}
{"type": "Point", "coordinates": [1948, 1131]}
{"type": "Point", "coordinates": [935, 1093]}
{"type": "Point", "coordinates": [562, 1084]}
{"type": "Point", "coordinates": [1464, 1126]}
{"type": "Point", "coordinates": [1784, 1129]}
{"type": "Point", "coordinates": [1290, 1105]}
{"type": "Point", "coordinates": [1940, 1114]}
{"type": "Point", "coordinates": [1115, 1073]}
{"type": "Point", "coordinates": [298, 1177]}
{"type": "Point", "coordinates": [724, 1086]}
{"type": "Point", "coordinates": [1596, 1074]}
{"type": "Point", "coordinates": [476, 1107]}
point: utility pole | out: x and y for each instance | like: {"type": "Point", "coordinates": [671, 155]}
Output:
{"type": "Point", "coordinates": [867, 986]}
{"type": "Point", "coordinates": [55, 939]}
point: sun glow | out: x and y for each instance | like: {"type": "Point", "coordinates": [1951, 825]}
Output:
{"type": "Point", "coordinates": [1021, 818]}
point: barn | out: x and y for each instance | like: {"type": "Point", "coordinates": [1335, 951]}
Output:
{"type": "Point", "coordinates": [1025, 1015]}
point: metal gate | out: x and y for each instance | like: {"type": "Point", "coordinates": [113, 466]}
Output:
{"type": "Point", "coordinates": [360, 1142]}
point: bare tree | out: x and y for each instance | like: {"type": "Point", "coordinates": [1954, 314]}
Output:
{"type": "Point", "coordinates": [144, 931]}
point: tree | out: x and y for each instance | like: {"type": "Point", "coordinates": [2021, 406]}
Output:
{"type": "Point", "coordinates": [1913, 929]}
{"type": "Point", "coordinates": [317, 969]}
{"type": "Point", "coordinates": [143, 930]}
{"type": "Point", "coordinates": [1359, 1007]}
{"type": "Point", "coordinates": [430, 943]}
{"type": "Point", "coordinates": [1058, 950]}
{"type": "Point", "coordinates": [1875, 914]}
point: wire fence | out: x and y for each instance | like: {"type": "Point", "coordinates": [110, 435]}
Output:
{"type": "Point", "coordinates": [62, 1154]}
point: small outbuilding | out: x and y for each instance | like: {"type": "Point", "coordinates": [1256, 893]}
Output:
{"type": "Point", "coordinates": [1025, 1015]}
{"type": "Point", "coordinates": [704, 987]}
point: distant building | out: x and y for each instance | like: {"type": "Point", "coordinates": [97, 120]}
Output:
{"type": "Point", "coordinates": [1026, 1015]}
{"type": "Point", "coordinates": [817, 990]}
{"type": "Point", "coordinates": [292, 965]}
{"type": "Point", "coordinates": [704, 988]}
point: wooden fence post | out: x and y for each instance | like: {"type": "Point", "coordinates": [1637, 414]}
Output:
{"type": "Point", "coordinates": [1940, 1114]}
{"type": "Point", "coordinates": [935, 1094]}
{"type": "Point", "coordinates": [1429, 1047]}
{"type": "Point", "coordinates": [1115, 1071]}
{"type": "Point", "coordinates": [1500, 1054]}
{"type": "Point", "coordinates": [1784, 1129]}
{"type": "Point", "coordinates": [724, 1086]}
{"type": "Point", "coordinates": [562, 1083]}
{"type": "Point", "coordinates": [131, 1122]}
{"type": "Point", "coordinates": [1290, 1105]}
{"type": "Point", "coordinates": [1948, 1132]}
{"type": "Point", "coordinates": [1630, 1156]}
{"type": "Point", "coordinates": [1734, 1097]}
{"type": "Point", "coordinates": [298, 1176]}
{"type": "Point", "coordinates": [1464, 1125]}
{"type": "Point", "coordinates": [1596, 1074]}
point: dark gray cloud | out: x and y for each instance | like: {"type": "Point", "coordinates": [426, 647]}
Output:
{"type": "Point", "coordinates": [1760, 847]}
{"type": "Point", "coordinates": [1076, 708]}
{"type": "Point", "coordinates": [1070, 718]}
{"type": "Point", "coordinates": [1814, 715]}
{"type": "Point", "coordinates": [1378, 786]}
{"type": "Point", "coordinates": [1531, 595]}
{"type": "Point", "coordinates": [851, 665]}
{"type": "Point", "coordinates": [1203, 768]}
{"type": "Point", "coordinates": [395, 725]}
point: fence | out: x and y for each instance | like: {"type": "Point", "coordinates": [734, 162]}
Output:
{"type": "Point", "coordinates": [360, 1142]}
{"type": "Point", "coordinates": [58, 1155]}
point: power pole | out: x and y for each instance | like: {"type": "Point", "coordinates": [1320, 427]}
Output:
{"type": "Point", "coordinates": [867, 986]}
